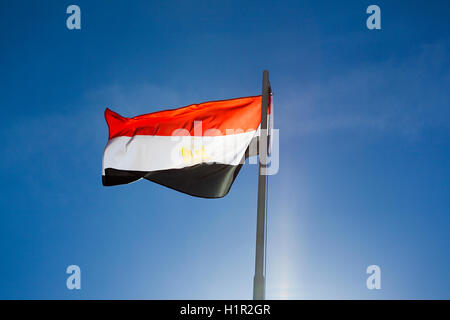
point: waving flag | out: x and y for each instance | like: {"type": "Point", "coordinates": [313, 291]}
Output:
{"type": "Point", "coordinates": [198, 149]}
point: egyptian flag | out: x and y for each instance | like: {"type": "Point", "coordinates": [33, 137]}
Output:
{"type": "Point", "coordinates": [198, 149]}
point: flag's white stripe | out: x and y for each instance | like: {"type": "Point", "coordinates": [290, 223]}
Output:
{"type": "Point", "coordinates": [150, 153]}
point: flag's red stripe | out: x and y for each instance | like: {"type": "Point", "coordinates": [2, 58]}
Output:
{"type": "Point", "coordinates": [236, 114]}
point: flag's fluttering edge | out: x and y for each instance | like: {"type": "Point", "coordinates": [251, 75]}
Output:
{"type": "Point", "coordinates": [198, 149]}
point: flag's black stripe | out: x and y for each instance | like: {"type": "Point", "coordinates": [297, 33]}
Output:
{"type": "Point", "coordinates": [202, 180]}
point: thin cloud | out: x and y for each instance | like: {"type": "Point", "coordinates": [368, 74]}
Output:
{"type": "Point", "coordinates": [395, 96]}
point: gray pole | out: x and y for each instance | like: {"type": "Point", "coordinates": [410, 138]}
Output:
{"type": "Point", "coordinates": [259, 281]}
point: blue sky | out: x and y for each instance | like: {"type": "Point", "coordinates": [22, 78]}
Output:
{"type": "Point", "coordinates": [364, 149]}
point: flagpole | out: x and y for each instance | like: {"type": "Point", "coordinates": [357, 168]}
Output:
{"type": "Point", "coordinates": [259, 281]}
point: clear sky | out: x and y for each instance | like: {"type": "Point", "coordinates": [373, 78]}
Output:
{"type": "Point", "coordinates": [364, 149]}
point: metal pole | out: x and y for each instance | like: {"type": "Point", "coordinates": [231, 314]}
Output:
{"type": "Point", "coordinates": [259, 281]}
